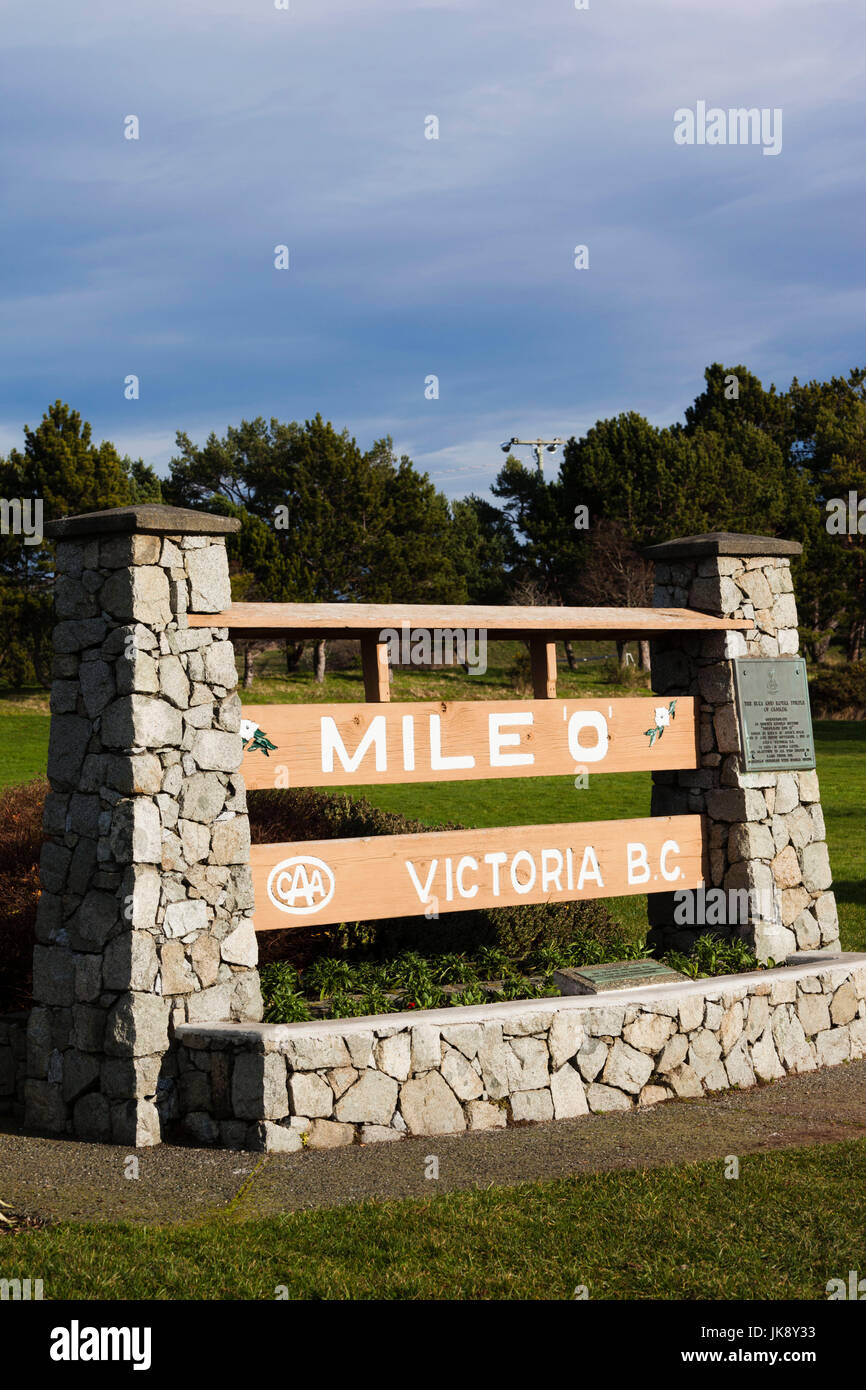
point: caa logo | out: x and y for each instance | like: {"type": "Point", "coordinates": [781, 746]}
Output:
{"type": "Point", "coordinates": [301, 885]}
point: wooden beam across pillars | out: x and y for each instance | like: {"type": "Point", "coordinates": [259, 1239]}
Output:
{"type": "Point", "coordinates": [508, 622]}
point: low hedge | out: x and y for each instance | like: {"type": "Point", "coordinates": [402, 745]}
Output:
{"type": "Point", "coordinates": [20, 848]}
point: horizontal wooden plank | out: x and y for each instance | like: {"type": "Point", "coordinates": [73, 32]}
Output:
{"type": "Point", "coordinates": [353, 744]}
{"type": "Point", "coordinates": [326, 881]}
{"type": "Point", "coordinates": [259, 620]}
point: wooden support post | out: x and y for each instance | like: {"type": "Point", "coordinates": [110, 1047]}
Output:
{"type": "Point", "coordinates": [374, 661]}
{"type": "Point", "coordinates": [543, 658]}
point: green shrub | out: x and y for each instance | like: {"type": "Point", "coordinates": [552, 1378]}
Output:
{"type": "Point", "coordinates": [375, 1001]}
{"type": "Point", "coordinates": [454, 968]}
{"type": "Point", "coordinates": [20, 848]}
{"type": "Point", "coordinates": [346, 1006]}
{"type": "Point", "coordinates": [327, 976]}
{"type": "Point", "coordinates": [493, 963]}
{"type": "Point", "coordinates": [520, 673]}
{"type": "Point", "coordinates": [426, 996]}
{"type": "Point", "coordinates": [521, 988]}
{"type": "Point", "coordinates": [517, 931]}
{"type": "Point", "coordinates": [284, 1002]}
{"type": "Point", "coordinates": [470, 994]}
{"type": "Point", "coordinates": [712, 955]}
{"type": "Point", "coordinates": [839, 691]}
{"type": "Point", "coordinates": [362, 987]}
{"type": "Point", "coordinates": [371, 975]}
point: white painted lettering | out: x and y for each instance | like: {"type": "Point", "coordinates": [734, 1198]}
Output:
{"type": "Point", "coordinates": [500, 740]}
{"type": "Point", "coordinates": [332, 743]}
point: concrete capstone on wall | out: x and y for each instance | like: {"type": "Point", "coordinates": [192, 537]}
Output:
{"type": "Point", "coordinates": [283, 1087]}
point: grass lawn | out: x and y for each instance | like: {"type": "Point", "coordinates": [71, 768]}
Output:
{"type": "Point", "coordinates": [23, 744]}
{"type": "Point", "coordinates": [841, 756]}
{"type": "Point", "coordinates": [789, 1223]}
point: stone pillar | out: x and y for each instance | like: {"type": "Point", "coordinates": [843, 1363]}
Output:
{"type": "Point", "coordinates": [765, 830]}
{"type": "Point", "coordinates": [145, 916]}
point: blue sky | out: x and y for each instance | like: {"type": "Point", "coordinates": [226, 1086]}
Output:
{"type": "Point", "coordinates": [410, 256]}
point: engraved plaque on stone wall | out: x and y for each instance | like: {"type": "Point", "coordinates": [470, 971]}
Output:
{"type": "Point", "coordinates": [774, 714]}
{"type": "Point", "coordinates": [620, 974]}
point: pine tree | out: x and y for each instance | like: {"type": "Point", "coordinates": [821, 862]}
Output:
{"type": "Point", "coordinates": [61, 467]}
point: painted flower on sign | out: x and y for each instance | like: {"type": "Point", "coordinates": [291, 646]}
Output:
{"type": "Point", "coordinates": [255, 738]}
{"type": "Point", "coordinates": [663, 714]}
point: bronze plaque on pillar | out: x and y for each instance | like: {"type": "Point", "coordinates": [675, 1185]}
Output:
{"type": "Point", "coordinates": [774, 714]}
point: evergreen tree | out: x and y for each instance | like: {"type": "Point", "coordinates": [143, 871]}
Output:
{"type": "Point", "coordinates": [831, 449]}
{"type": "Point", "coordinates": [321, 521]}
{"type": "Point", "coordinates": [480, 543]}
{"type": "Point", "coordinates": [61, 466]}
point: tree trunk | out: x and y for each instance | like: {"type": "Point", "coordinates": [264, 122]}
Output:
{"type": "Point", "coordinates": [569, 655]}
{"type": "Point", "coordinates": [855, 640]}
{"type": "Point", "coordinates": [644, 648]}
{"type": "Point", "coordinates": [294, 652]}
{"type": "Point", "coordinates": [319, 661]}
{"type": "Point", "coordinates": [42, 670]}
{"type": "Point", "coordinates": [822, 642]}
{"type": "Point", "coordinates": [249, 665]}
{"type": "Point", "coordinates": [620, 655]}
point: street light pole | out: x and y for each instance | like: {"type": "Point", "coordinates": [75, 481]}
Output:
{"type": "Point", "coordinates": [537, 446]}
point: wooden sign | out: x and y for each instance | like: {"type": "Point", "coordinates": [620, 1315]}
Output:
{"type": "Point", "coordinates": [325, 881]}
{"type": "Point", "coordinates": [354, 745]}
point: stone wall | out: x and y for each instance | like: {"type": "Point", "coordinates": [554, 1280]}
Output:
{"type": "Point", "coordinates": [765, 830]}
{"type": "Point", "coordinates": [145, 915]}
{"type": "Point", "coordinates": [282, 1087]}
{"type": "Point", "coordinates": [146, 993]}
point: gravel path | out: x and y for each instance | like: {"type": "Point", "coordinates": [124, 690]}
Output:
{"type": "Point", "coordinates": [70, 1180]}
